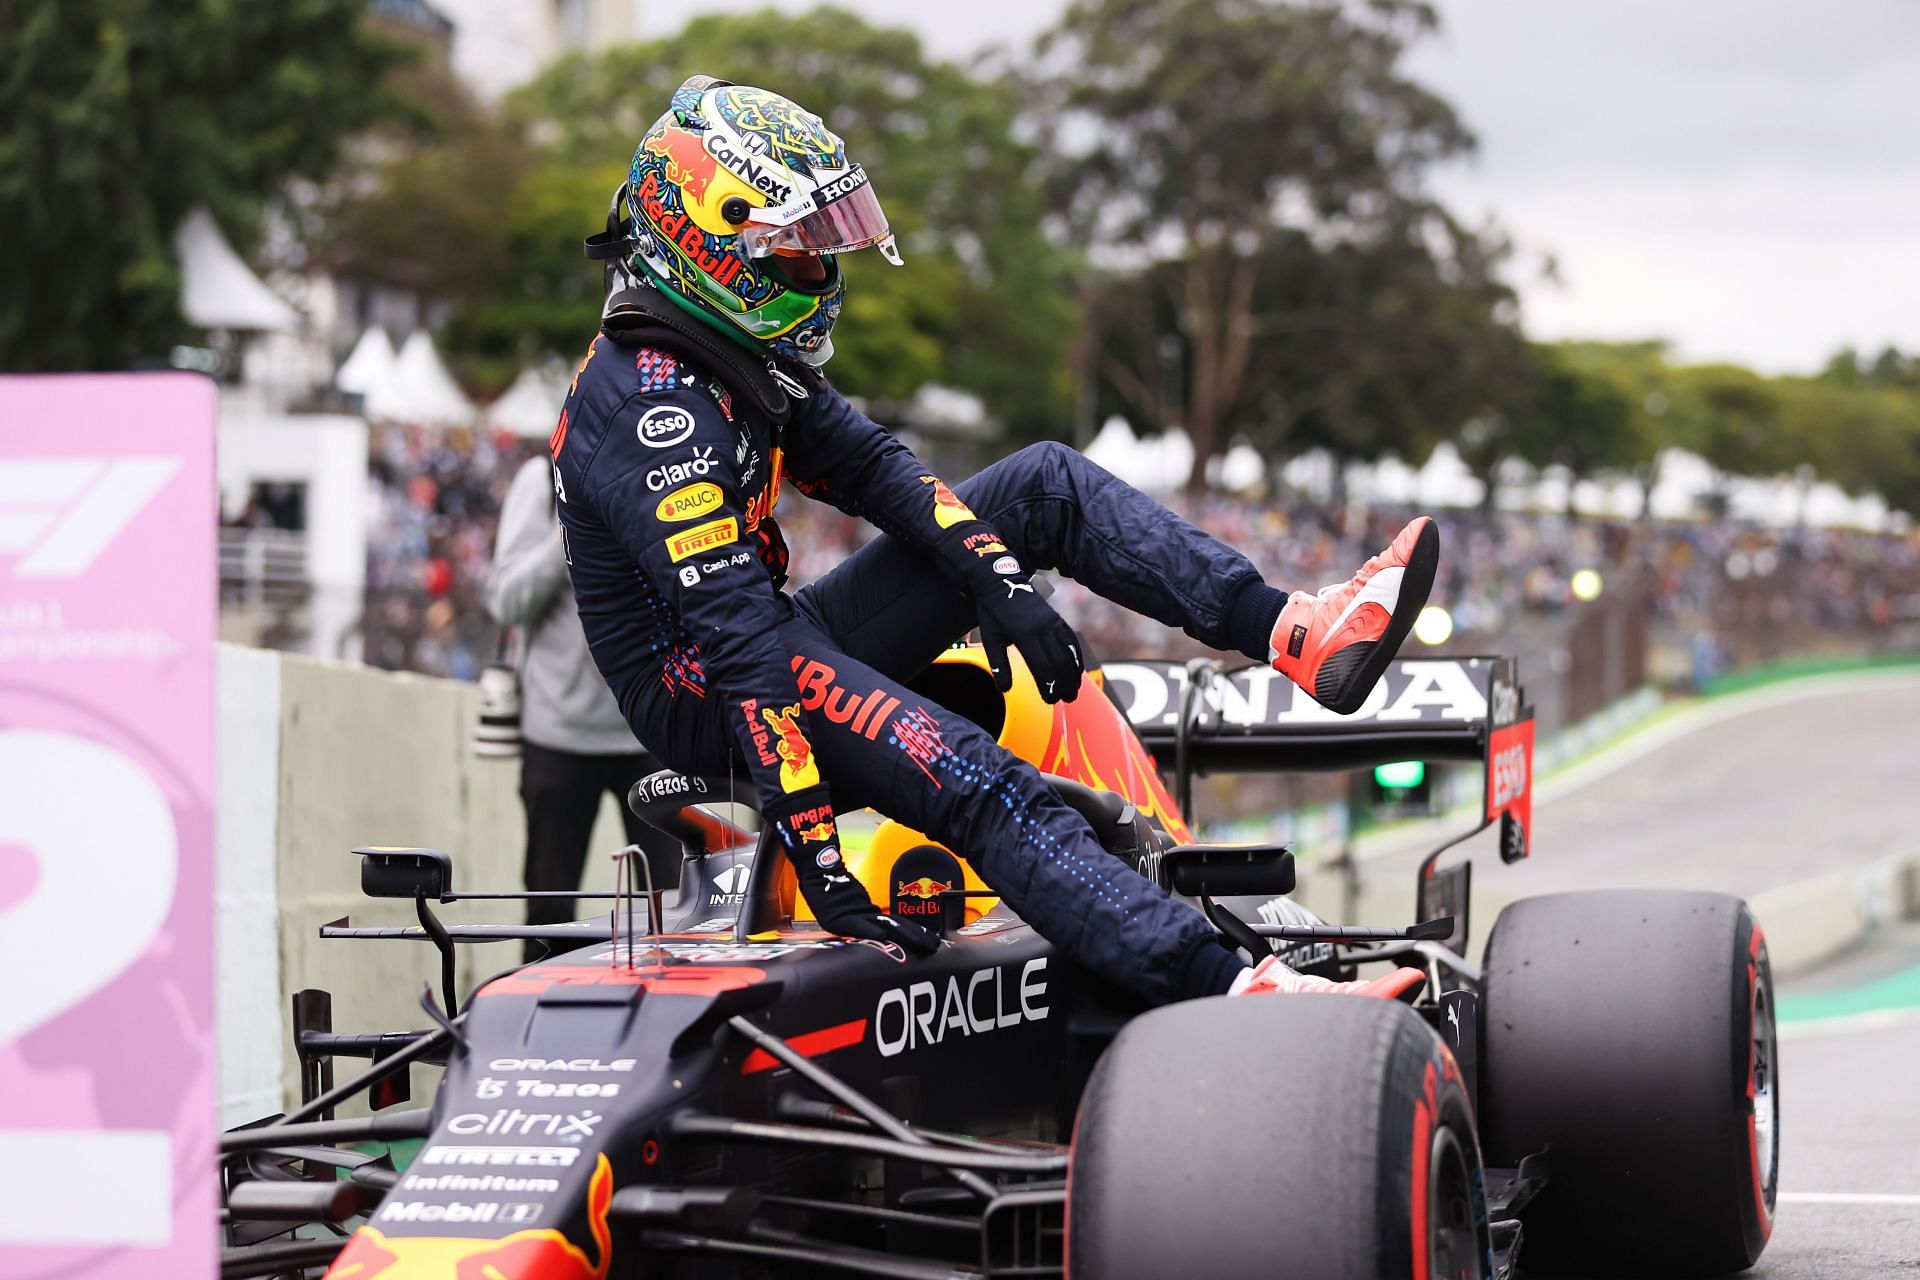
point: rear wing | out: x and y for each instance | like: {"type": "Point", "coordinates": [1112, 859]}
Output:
{"type": "Point", "coordinates": [1199, 718]}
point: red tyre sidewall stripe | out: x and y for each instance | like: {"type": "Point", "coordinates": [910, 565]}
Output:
{"type": "Point", "coordinates": [1066, 1212]}
{"type": "Point", "coordinates": [1764, 1214]}
{"type": "Point", "coordinates": [1424, 1109]}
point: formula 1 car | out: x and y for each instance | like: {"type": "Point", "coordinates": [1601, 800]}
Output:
{"type": "Point", "coordinates": [721, 1089]}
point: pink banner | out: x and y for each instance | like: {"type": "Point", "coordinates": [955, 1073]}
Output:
{"type": "Point", "coordinates": [107, 622]}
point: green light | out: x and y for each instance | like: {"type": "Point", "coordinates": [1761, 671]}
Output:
{"type": "Point", "coordinates": [1400, 775]}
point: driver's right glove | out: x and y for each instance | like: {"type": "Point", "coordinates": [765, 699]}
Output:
{"type": "Point", "coordinates": [840, 903]}
{"type": "Point", "coordinates": [1012, 613]}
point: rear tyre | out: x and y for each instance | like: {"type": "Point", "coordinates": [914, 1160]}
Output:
{"type": "Point", "coordinates": [1323, 1136]}
{"type": "Point", "coordinates": [1630, 1033]}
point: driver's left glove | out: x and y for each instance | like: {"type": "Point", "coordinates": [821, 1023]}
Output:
{"type": "Point", "coordinates": [807, 831]}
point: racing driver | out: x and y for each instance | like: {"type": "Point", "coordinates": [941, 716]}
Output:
{"type": "Point", "coordinates": [703, 392]}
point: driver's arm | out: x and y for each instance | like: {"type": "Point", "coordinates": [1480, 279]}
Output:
{"type": "Point", "coordinates": [663, 482]}
{"type": "Point", "coordinates": [839, 455]}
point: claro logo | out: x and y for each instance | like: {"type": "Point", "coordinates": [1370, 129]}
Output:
{"type": "Point", "coordinates": [976, 1004]}
{"type": "Point", "coordinates": [59, 514]}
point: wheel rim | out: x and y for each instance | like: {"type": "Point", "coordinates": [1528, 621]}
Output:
{"type": "Point", "coordinates": [1766, 1099]}
{"type": "Point", "coordinates": [1454, 1249]}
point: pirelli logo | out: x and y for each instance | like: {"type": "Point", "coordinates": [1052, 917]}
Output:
{"type": "Point", "coordinates": [703, 537]}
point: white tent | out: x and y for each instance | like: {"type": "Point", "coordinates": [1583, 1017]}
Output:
{"type": "Point", "coordinates": [217, 289]}
{"type": "Point", "coordinates": [1156, 465]}
{"type": "Point", "coordinates": [1238, 469]}
{"type": "Point", "coordinates": [368, 365]}
{"type": "Point", "coordinates": [531, 406]}
{"type": "Point", "coordinates": [421, 389]}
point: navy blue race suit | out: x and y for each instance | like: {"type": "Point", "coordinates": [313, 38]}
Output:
{"type": "Point", "coordinates": [667, 488]}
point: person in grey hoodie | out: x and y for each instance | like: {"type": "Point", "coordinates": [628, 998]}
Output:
{"type": "Point", "coordinates": [576, 744]}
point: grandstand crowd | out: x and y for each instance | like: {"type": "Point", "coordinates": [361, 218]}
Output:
{"type": "Point", "coordinates": [435, 497]}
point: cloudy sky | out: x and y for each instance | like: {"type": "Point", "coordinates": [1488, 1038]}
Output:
{"type": "Point", "coordinates": [1739, 176]}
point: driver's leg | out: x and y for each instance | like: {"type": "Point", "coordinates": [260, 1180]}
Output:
{"type": "Point", "coordinates": [889, 606]}
{"type": "Point", "coordinates": [939, 773]}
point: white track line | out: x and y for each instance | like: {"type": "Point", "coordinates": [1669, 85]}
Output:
{"type": "Point", "coordinates": [1845, 1197]}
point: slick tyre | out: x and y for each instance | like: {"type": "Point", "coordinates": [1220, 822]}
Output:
{"type": "Point", "coordinates": [1323, 1137]}
{"type": "Point", "coordinates": [1630, 1034]}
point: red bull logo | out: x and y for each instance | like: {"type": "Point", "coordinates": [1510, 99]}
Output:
{"type": "Point", "coordinates": [948, 510]}
{"type": "Point", "coordinates": [689, 167]}
{"type": "Point", "coordinates": [925, 887]}
{"type": "Point", "coordinates": [818, 833]}
{"type": "Point", "coordinates": [542, 1254]}
{"type": "Point", "coordinates": [797, 770]}
{"type": "Point", "coordinates": [680, 230]}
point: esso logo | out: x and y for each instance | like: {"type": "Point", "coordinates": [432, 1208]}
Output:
{"type": "Point", "coordinates": [664, 426]}
{"type": "Point", "coordinates": [1509, 775]}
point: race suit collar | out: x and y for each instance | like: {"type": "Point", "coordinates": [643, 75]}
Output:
{"type": "Point", "coordinates": [637, 315]}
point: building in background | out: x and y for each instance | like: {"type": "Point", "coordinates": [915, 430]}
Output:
{"type": "Point", "coordinates": [416, 22]}
{"type": "Point", "coordinates": [499, 45]}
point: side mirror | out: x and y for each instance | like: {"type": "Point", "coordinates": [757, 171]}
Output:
{"type": "Point", "coordinates": [1226, 870]}
{"type": "Point", "coordinates": [405, 873]}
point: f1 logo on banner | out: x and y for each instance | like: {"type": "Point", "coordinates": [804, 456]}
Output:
{"type": "Point", "coordinates": [58, 514]}
{"type": "Point", "coordinates": [107, 614]}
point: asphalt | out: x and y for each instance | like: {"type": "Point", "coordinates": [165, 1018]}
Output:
{"type": "Point", "coordinates": [1777, 789]}
{"type": "Point", "coordinates": [1788, 788]}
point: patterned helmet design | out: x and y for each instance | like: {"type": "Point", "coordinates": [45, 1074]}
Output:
{"type": "Point", "coordinates": [727, 182]}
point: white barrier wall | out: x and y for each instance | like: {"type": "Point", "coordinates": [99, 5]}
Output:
{"type": "Point", "coordinates": [316, 758]}
{"type": "Point", "coordinates": [247, 952]}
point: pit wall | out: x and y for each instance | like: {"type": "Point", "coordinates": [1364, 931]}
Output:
{"type": "Point", "coordinates": [316, 758]}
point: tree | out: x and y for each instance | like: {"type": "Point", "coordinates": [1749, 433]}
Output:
{"type": "Point", "coordinates": [982, 302]}
{"type": "Point", "coordinates": [1255, 169]}
{"type": "Point", "coordinates": [1585, 419]}
{"type": "Point", "coordinates": [1739, 428]}
{"type": "Point", "coordinates": [117, 117]}
{"type": "Point", "coordinates": [1863, 437]}
{"type": "Point", "coordinates": [472, 213]}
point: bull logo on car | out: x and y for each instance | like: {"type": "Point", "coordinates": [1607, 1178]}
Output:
{"type": "Point", "coordinates": [919, 897]}
{"type": "Point", "coordinates": [924, 887]}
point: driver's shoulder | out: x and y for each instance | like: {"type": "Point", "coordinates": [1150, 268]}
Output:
{"type": "Point", "coordinates": [645, 393]}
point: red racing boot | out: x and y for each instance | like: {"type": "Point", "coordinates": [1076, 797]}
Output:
{"type": "Point", "coordinates": [1335, 644]}
{"type": "Point", "coordinates": [1271, 977]}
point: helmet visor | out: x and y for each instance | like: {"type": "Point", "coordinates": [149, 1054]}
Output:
{"type": "Point", "coordinates": [844, 214]}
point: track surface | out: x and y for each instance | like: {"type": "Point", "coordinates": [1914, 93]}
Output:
{"type": "Point", "coordinates": [1785, 790]}
{"type": "Point", "coordinates": [1795, 784]}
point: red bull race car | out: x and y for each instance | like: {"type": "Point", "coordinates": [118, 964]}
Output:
{"type": "Point", "coordinates": [726, 1090]}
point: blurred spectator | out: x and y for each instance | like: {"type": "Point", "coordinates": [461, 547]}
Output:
{"type": "Point", "coordinates": [436, 493]}
{"type": "Point", "coordinates": [434, 498]}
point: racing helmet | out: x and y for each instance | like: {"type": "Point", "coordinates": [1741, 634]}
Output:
{"type": "Point", "coordinates": [726, 183]}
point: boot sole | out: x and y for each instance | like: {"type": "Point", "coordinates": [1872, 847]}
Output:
{"type": "Point", "coordinates": [1415, 586]}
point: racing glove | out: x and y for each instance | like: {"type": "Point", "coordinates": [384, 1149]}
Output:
{"type": "Point", "coordinates": [840, 903]}
{"type": "Point", "coordinates": [1012, 613]}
